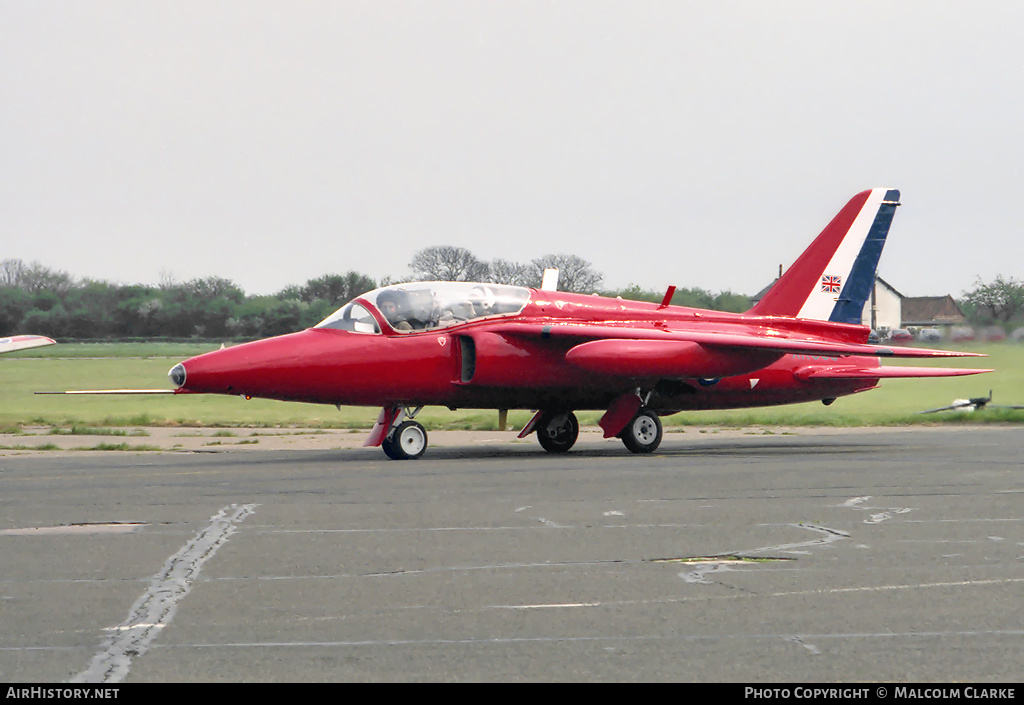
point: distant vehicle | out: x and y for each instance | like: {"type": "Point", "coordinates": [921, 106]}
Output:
{"type": "Point", "coordinates": [993, 334]}
{"type": "Point", "coordinates": [929, 335]}
{"type": "Point", "coordinates": [961, 334]}
{"type": "Point", "coordinates": [901, 336]}
{"type": "Point", "coordinates": [1017, 335]}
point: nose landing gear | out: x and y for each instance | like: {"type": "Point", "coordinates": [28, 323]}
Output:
{"type": "Point", "coordinates": [401, 440]}
{"type": "Point", "coordinates": [407, 441]}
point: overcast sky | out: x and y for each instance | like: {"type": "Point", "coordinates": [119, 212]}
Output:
{"type": "Point", "coordinates": [699, 144]}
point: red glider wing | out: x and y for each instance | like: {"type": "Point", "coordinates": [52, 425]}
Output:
{"type": "Point", "coordinates": [23, 342]}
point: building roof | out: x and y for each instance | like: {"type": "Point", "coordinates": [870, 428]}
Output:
{"type": "Point", "coordinates": [931, 310]}
{"type": "Point", "coordinates": [760, 295]}
{"type": "Point", "coordinates": [888, 286]}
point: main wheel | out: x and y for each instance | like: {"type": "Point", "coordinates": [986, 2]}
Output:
{"type": "Point", "coordinates": [557, 431]}
{"type": "Point", "coordinates": [407, 442]}
{"type": "Point", "coordinates": [643, 433]}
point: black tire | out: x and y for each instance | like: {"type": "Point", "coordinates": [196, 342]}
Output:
{"type": "Point", "coordinates": [391, 449]}
{"type": "Point", "coordinates": [643, 433]}
{"type": "Point", "coordinates": [557, 431]}
{"type": "Point", "coordinates": [407, 442]}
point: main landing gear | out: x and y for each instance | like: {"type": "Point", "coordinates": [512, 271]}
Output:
{"type": "Point", "coordinates": [643, 433]}
{"type": "Point", "coordinates": [557, 431]}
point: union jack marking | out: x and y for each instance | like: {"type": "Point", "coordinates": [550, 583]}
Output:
{"type": "Point", "coordinates": [830, 284]}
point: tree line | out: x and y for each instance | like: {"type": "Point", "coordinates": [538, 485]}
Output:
{"type": "Point", "coordinates": [37, 299]}
{"type": "Point", "coordinates": [40, 300]}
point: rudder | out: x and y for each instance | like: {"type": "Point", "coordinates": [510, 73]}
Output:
{"type": "Point", "coordinates": [833, 277]}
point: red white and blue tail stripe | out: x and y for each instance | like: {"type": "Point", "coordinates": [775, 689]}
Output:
{"type": "Point", "coordinates": [833, 278]}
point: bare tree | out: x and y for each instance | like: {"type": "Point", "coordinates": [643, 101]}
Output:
{"type": "Point", "coordinates": [447, 263]}
{"type": "Point", "coordinates": [11, 272]}
{"type": "Point", "coordinates": [574, 273]}
{"type": "Point", "coordinates": [36, 278]}
{"type": "Point", "coordinates": [505, 272]}
{"type": "Point", "coordinates": [168, 280]}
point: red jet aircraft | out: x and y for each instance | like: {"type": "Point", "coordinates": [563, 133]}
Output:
{"type": "Point", "coordinates": [491, 346]}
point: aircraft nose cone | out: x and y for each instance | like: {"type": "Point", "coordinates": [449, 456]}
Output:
{"type": "Point", "coordinates": [177, 375]}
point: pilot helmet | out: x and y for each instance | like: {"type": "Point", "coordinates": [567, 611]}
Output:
{"type": "Point", "coordinates": [482, 297]}
{"type": "Point", "coordinates": [393, 305]}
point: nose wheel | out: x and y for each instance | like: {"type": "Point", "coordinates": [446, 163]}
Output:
{"type": "Point", "coordinates": [407, 441]}
{"type": "Point", "coordinates": [643, 433]}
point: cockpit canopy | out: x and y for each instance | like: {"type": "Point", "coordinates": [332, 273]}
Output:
{"type": "Point", "coordinates": [420, 306]}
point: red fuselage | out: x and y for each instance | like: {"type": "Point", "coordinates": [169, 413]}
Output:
{"type": "Point", "coordinates": [559, 351]}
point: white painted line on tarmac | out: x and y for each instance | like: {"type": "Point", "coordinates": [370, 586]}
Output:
{"type": "Point", "coordinates": [545, 606]}
{"type": "Point", "coordinates": [155, 609]}
{"type": "Point", "coordinates": [117, 527]}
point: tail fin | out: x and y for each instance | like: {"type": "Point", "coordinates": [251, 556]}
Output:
{"type": "Point", "coordinates": [832, 279]}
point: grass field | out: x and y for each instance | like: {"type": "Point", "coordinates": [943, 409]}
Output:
{"type": "Point", "coordinates": [145, 365]}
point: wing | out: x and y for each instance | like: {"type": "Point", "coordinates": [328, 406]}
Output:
{"type": "Point", "coordinates": [650, 352]}
{"type": "Point", "coordinates": [770, 340]}
{"type": "Point", "coordinates": [634, 351]}
{"type": "Point", "coordinates": [24, 342]}
{"type": "Point", "coordinates": [883, 372]}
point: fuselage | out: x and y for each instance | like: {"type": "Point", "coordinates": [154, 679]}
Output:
{"type": "Point", "coordinates": [547, 349]}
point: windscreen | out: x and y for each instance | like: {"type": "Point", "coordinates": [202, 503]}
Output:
{"type": "Point", "coordinates": [351, 317]}
{"type": "Point", "coordinates": [431, 305]}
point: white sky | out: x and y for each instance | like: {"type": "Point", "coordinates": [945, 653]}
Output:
{"type": "Point", "coordinates": [684, 142]}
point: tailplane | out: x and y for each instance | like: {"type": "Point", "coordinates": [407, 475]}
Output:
{"type": "Point", "coordinates": [832, 279]}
